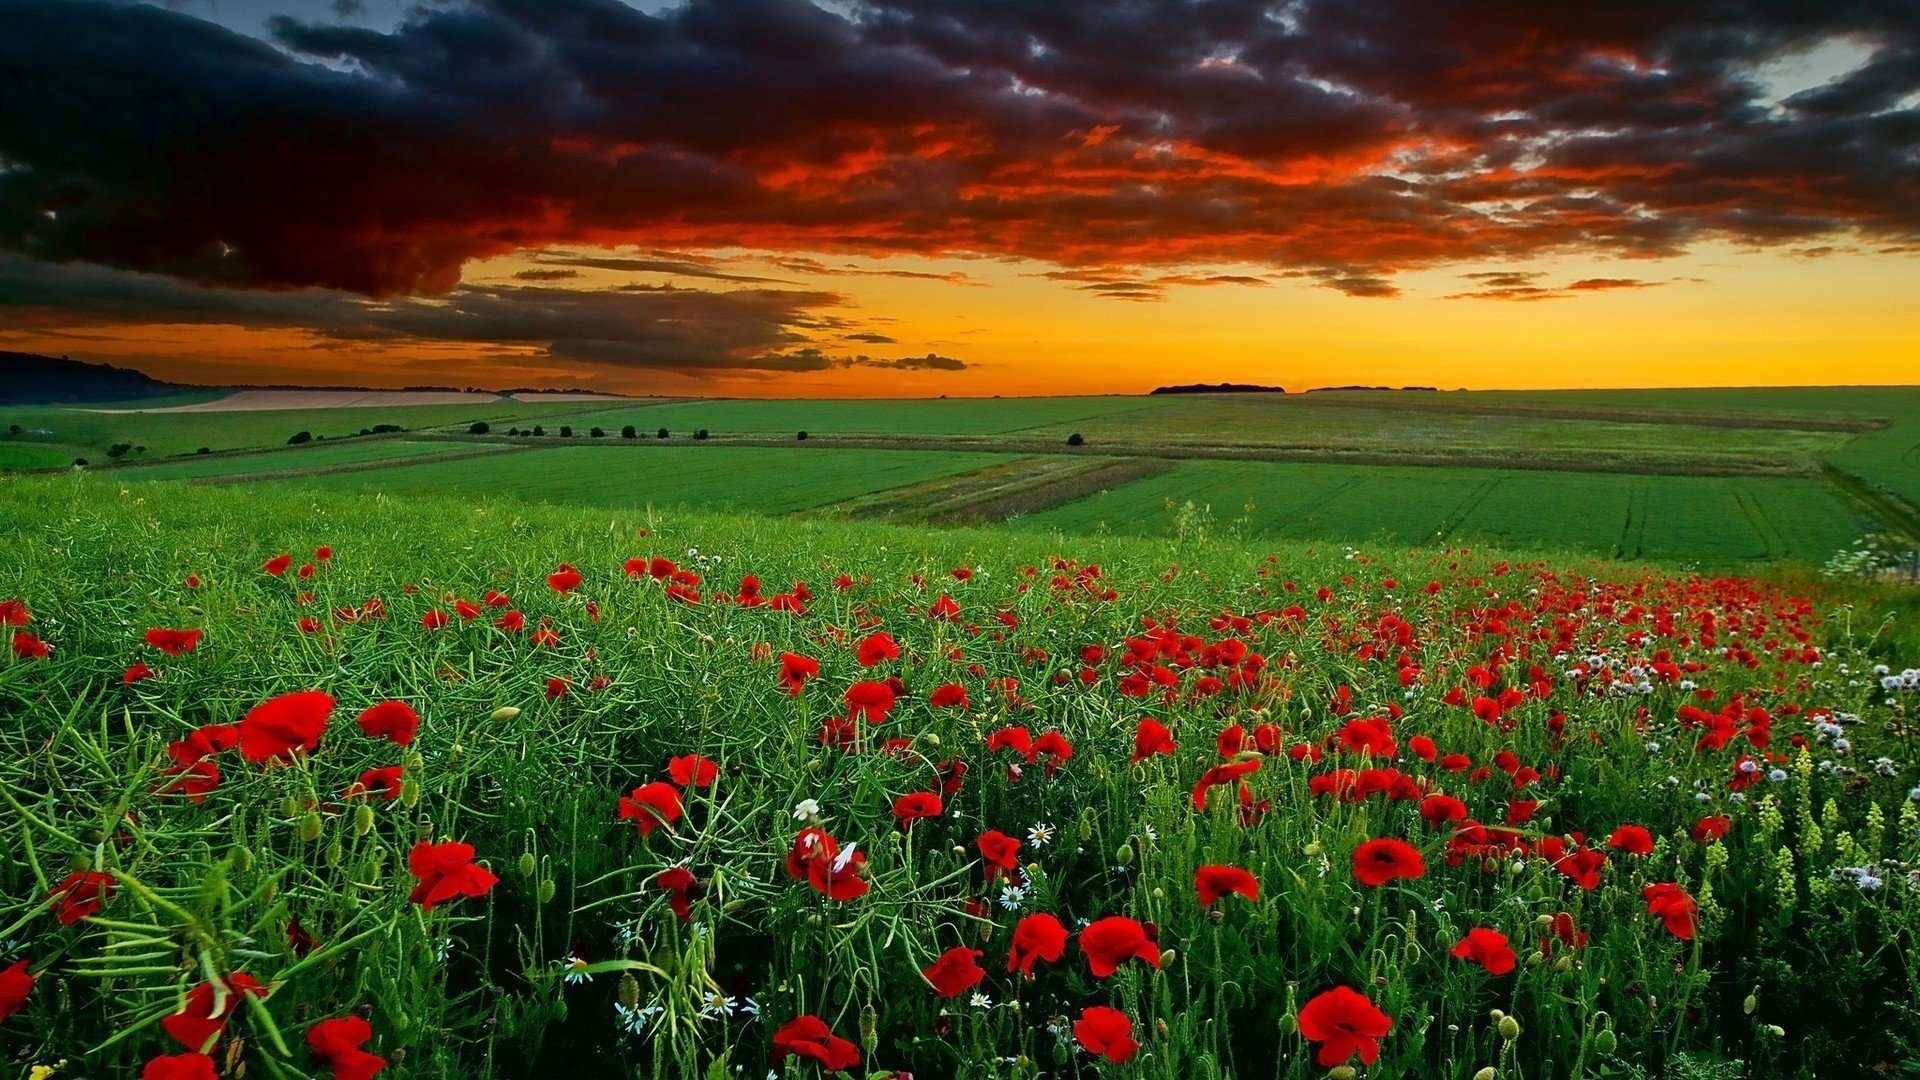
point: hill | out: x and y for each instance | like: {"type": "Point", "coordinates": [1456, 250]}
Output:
{"type": "Point", "coordinates": [31, 379]}
{"type": "Point", "coordinates": [1216, 388]}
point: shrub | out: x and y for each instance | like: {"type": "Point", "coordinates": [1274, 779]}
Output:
{"type": "Point", "coordinates": [479, 428]}
{"type": "Point", "coordinates": [662, 435]}
{"type": "Point", "coordinates": [628, 432]}
{"type": "Point", "coordinates": [539, 430]}
{"type": "Point", "coordinates": [204, 450]}
{"type": "Point", "coordinates": [300, 437]}
{"type": "Point", "coordinates": [701, 434]}
{"type": "Point", "coordinates": [802, 436]}
{"type": "Point", "coordinates": [598, 433]}
{"type": "Point", "coordinates": [566, 431]}
{"type": "Point", "coordinates": [1076, 439]}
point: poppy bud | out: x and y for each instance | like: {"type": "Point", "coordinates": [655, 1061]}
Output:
{"type": "Point", "coordinates": [1544, 919]}
{"type": "Point", "coordinates": [1536, 957]}
{"type": "Point", "coordinates": [1159, 893]}
{"type": "Point", "coordinates": [242, 858]}
{"type": "Point", "coordinates": [1509, 1028]}
{"type": "Point", "coordinates": [1605, 1042]}
{"type": "Point", "coordinates": [1216, 915]}
{"type": "Point", "coordinates": [1124, 855]}
{"type": "Point", "coordinates": [410, 792]}
{"type": "Point", "coordinates": [311, 826]}
{"type": "Point", "coordinates": [335, 852]}
{"type": "Point", "coordinates": [1486, 1074]}
{"type": "Point", "coordinates": [505, 713]}
{"type": "Point", "coordinates": [1288, 1024]}
{"type": "Point", "coordinates": [1166, 957]}
{"type": "Point", "coordinates": [1776, 1030]}
{"type": "Point", "coordinates": [629, 991]}
{"type": "Point", "coordinates": [1160, 1028]}
{"type": "Point", "coordinates": [1342, 1072]}
{"type": "Point", "coordinates": [547, 891]}
{"type": "Point", "coordinates": [931, 739]}
{"type": "Point", "coordinates": [1564, 964]}
{"type": "Point", "coordinates": [363, 820]}
{"type": "Point", "coordinates": [1752, 1003]}
{"type": "Point", "coordinates": [1312, 850]}
{"type": "Point", "coordinates": [528, 864]}
{"type": "Point", "coordinates": [869, 1028]}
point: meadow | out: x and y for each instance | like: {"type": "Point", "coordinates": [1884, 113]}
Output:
{"type": "Point", "coordinates": [325, 784]}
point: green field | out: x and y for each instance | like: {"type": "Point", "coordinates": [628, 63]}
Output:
{"type": "Point", "coordinates": [314, 456]}
{"type": "Point", "coordinates": [956, 416]}
{"type": "Point", "coordinates": [1669, 518]}
{"type": "Point", "coordinates": [751, 479]}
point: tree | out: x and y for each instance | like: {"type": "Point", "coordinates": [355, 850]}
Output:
{"type": "Point", "coordinates": [1075, 439]}
{"type": "Point", "coordinates": [598, 433]}
{"type": "Point", "coordinates": [566, 431]}
{"type": "Point", "coordinates": [300, 437]}
{"type": "Point", "coordinates": [700, 434]}
{"type": "Point", "coordinates": [13, 429]}
{"type": "Point", "coordinates": [802, 436]}
{"type": "Point", "coordinates": [513, 431]}
{"type": "Point", "coordinates": [628, 432]}
{"type": "Point", "coordinates": [204, 450]}
{"type": "Point", "coordinates": [662, 435]}
{"type": "Point", "coordinates": [539, 430]}
{"type": "Point", "coordinates": [479, 427]}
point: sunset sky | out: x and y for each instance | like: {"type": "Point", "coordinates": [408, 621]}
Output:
{"type": "Point", "coordinates": [968, 197]}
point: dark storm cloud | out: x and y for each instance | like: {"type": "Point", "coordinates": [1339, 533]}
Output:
{"type": "Point", "coordinates": [1332, 141]}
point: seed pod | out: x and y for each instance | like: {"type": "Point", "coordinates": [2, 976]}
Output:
{"type": "Point", "coordinates": [242, 858]}
{"type": "Point", "coordinates": [869, 1028]}
{"type": "Point", "coordinates": [1752, 1003]}
{"type": "Point", "coordinates": [1486, 1074]}
{"type": "Point", "coordinates": [547, 891]}
{"type": "Point", "coordinates": [1086, 829]}
{"type": "Point", "coordinates": [1509, 1028]}
{"type": "Point", "coordinates": [528, 864]}
{"type": "Point", "coordinates": [363, 820]}
{"type": "Point", "coordinates": [1123, 855]}
{"type": "Point", "coordinates": [1606, 1042]}
{"type": "Point", "coordinates": [335, 852]}
{"type": "Point", "coordinates": [410, 792]}
{"type": "Point", "coordinates": [504, 713]}
{"type": "Point", "coordinates": [311, 826]}
{"type": "Point", "coordinates": [1167, 956]}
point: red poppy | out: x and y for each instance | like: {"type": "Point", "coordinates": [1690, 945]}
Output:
{"type": "Point", "coordinates": [1106, 1032]}
{"type": "Point", "coordinates": [13, 612]}
{"type": "Point", "coordinates": [1439, 809]}
{"type": "Point", "coordinates": [1673, 906]}
{"type": "Point", "coordinates": [948, 696]}
{"type": "Point", "coordinates": [651, 806]}
{"type": "Point", "coordinates": [1221, 774]}
{"type": "Point", "coordinates": [870, 701]}
{"type": "Point", "coordinates": [810, 1037]}
{"type": "Point", "coordinates": [1381, 860]}
{"type": "Point", "coordinates": [276, 727]}
{"type": "Point", "coordinates": [323, 553]}
{"type": "Point", "coordinates": [1632, 839]}
{"type": "Point", "coordinates": [173, 642]}
{"type": "Point", "coordinates": [336, 1044]}
{"type": "Point", "coordinates": [467, 610]}
{"type": "Point", "coordinates": [1344, 1022]}
{"type": "Point", "coordinates": [818, 859]}
{"type": "Point", "coordinates": [795, 670]}
{"type": "Point", "coordinates": [1001, 852]}
{"type": "Point", "coordinates": [955, 972]}
{"type": "Point", "coordinates": [920, 804]}
{"type": "Point", "coordinates": [277, 565]}
{"type": "Point", "coordinates": [81, 894]}
{"type": "Point", "coordinates": [179, 1067]}
{"type": "Point", "coordinates": [1488, 948]}
{"type": "Point", "coordinates": [679, 883]}
{"type": "Point", "coordinates": [203, 1016]}
{"type": "Point", "coordinates": [692, 770]}
{"type": "Point", "coordinates": [384, 781]}
{"type": "Point", "coordinates": [138, 672]}
{"type": "Point", "coordinates": [1037, 937]}
{"type": "Point", "coordinates": [557, 688]}
{"type": "Point", "coordinates": [434, 619]}
{"type": "Point", "coordinates": [1112, 941]}
{"type": "Point", "coordinates": [876, 648]}
{"type": "Point", "coordinates": [944, 609]}
{"type": "Point", "coordinates": [1709, 829]}
{"type": "Point", "coordinates": [564, 580]}
{"type": "Point", "coordinates": [392, 720]}
{"type": "Point", "coordinates": [29, 646]}
{"type": "Point", "coordinates": [15, 985]}
{"type": "Point", "coordinates": [446, 871]}
{"type": "Point", "coordinates": [1214, 882]}
{"type": "Point", "coordinates": [1151, 737]}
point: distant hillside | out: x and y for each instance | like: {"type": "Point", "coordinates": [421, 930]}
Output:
{"type": "Point", "coordinates": [29, 379]}
{"type": "Point", "coordinates": [1217, 388]}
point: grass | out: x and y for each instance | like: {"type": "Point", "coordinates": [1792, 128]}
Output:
{"type": "Point", "coordinates": [330, 455]}
{"type": "Point", "coordinates": [772, 481]}
{"type": "Point", "coordinates": [478, 986]}
{"type": "Point", "coordinates": [1717, 521]}
{"type": "Point", "coordinates": [957, 416]}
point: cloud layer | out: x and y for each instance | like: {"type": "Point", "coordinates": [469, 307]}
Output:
{"type": "Point", "coordinates": [1322, 139]}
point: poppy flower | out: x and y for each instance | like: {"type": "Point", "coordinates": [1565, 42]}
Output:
{"type": "Point", "coordinates": [1037, 937]}
{"type": "Point", "coordinates": [651, 806]}
{"type": "Point", "coordinates": [818, 859]}
{"type": "Point", "coordinates": [1151, 737]}
{"type": "Point", "coordinates": [870, 701]}
{"type": "Point", "coordinates": [944, 609]}
{"type": "Point", "coordinates": [276, 727]}
{"type": "Point", "coordinates": [948, 696]}
{"type": "Point", "coordinates": [81, 894]}
{"type": "Point", "coordinates": [394, 721]}
{"type": "Point", "coordinates": [1112, 941]}
{"type": "Point", "coordinates": [1673, 906]}
{"type": "Point", "coordinates": [920, 804]}
{"type": "Point", "coordinates": [434, 619]}
{"type": "Point", "coordinates": [179, 1067]}
{"type": "Point", "coordinates": [446, 871]}
{"type": "Point", "coordinates": [1106, 1032]}
{"type": "Point", "coordinates": [1344, 1023]}
{"type": "Point", "coordinates": [1632, 839]}
{"type": "Point", "coordinates": [137, 672]}
{"type": "Point", "coordinates": [29, 646]}
{"type": "Point", "coordinates": [564, 580]}
{"type": "Point", "coordinates": [692, 770]}
{"type": "Point", "coordinates": [876, 648]}
{"type": "Point", "coordinates": [467, 610]}
{"type": "Point", "coordinates": [1214, 882]}
{"type": "Point", "coordinates": [1439, 809]}
{"type": "Point", "coordinates": [1383, 859]}
{"type": "Point", "coordinates": [336, 1043]}
{"type": "Point", "coordinates": [810, 1037]}
{"type": "Point", "coordinates": [795, 670]}
{"type": "Point", "coordinates": [955, 972]}
{"type": "Point", "coordinates": [1017, 739]}
{"type": "Point", "coordinates": [278, 564]}
{"type": "Point", "coordinates": [1488, 948]}
{"type": "Point", "coordinates": [1711, 828]}
{"type": "Point", "coordinates": [384, 781]}
{"type": "Point", "coordinates": [203, 1016]}
{"type": "Point", "coordinates": [557, 688]}
{"type": "Point", "coordinates": [1001, 852]}
{"type": "Point", "coordinates": [679, 883]}
{"type": "Point", "coordinates": [173, 642]}
{"type": "Point", "coordinates": [15, 985]}
{"type": "Point", "coordinates": [1221, 774]}
{"type": "Point", "coordinates": [13, 612]}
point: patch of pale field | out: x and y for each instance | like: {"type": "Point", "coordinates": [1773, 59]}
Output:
{"type": "Point", "coordinates": [270, 400]}
{"type": "Point", "coordinates": [569, 395]}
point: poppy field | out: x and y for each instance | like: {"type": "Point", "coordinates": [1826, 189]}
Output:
{"type": "Point", "coordinates": [304, 784]}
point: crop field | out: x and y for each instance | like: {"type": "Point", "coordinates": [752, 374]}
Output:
{"type": "Point", "coordinates": [298, 459]}
{"type": "Point", "coordinates": [959, 416]}
{"type": "Point", "coordinates": [324, 784]}
{"type": "Point", "coordinates": [771, 481]}
{"type": "Point", "coordinates": [1712, 519]}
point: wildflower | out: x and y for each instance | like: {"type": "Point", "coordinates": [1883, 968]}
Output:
{"type": "Point", "coordinates": [277, 565]}
{"type": "Point", "coordinates": [275, 728]}
{"type": "Point", "coordinates": [650, 806]}
{"type": "Point", "coordinates": [1151, 737]}
{"type": "Point", "coordinates": [1106, 1032]}
{"type": "Point", "coordinates": [1012, 896]}
{"type": "Point", "coordinates": [1039, 834]}
{"type": "Point", "coordinates": [1001, 852]}
{"type": "Point", "coordinates": [173, 642]}
{"type": "Point", "coordinates": [446, 871]}
{"type": "Point", "coordinates": [203, 1016]}
{"type": "Point", "coordinates": [576, 973]}
{"type": "Point", "coordinates": [29, 646]}
{"type": "Point", "coordinates": [394, 721]}
{"type": "Point", "coordinates": [1673, 906]}
{"type": "Point", "coordinates": [876, 648]}
{"type": "Point", "coordinates": [1488, 948]}
{"type": "Point", "coordinates": [679, 884]}
{"type": "Point", "coordinates": [1214, 882]}
{"type": "Point", "coordinates": [1381, 860]}
{"type": "Point", "coordinates": [1037, 937]}
{"type": "Point", "coordinates": [564, 580]}
{"type": "Point", "coordinates": [81, 894]}
{"type": "Point", "coordinates": [980, 1001]}
{"type": "Point", "coordinates": [920, 804]}
{"type": "Point", "coordinates": [189, 1066]}
{"type": "Point", "coordinates": [1114, 940]}
{"type": "Point", "coordinates": [809, 1037]}
{"type": "Point", "coordinates": [806, 808]}
{"type": "Point", "coordinates": [1632, 839]}
{"type": "Point", "coordinates": [336, 1043]}
{"type": "Point", "coordinates": [692, 770]}
{"type": "Point", "coordinates": [948, 696]}
{"type": "Point", "coordinates": [15, 985]}
{"type": "Point", "coordinates": [1344, 1022]}
{"type": "Point", "coordinates": [795, 670]}
{"type": "Point", "coordinates": [956, 971]}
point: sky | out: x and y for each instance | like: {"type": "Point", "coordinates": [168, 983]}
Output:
{"type": "Point", "coordinates": [888, 198]}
